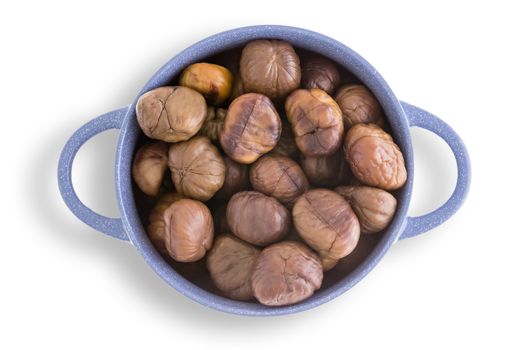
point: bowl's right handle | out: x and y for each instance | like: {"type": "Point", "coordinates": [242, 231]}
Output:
{"type": "Point", "coordinates": [423, 119]}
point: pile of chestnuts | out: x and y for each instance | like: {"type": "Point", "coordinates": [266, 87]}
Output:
{"type": "Point", "coordinates": [269, 168]}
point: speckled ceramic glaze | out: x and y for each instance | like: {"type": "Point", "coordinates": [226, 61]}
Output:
{"type": "Point", "coordinates": [401, 116]}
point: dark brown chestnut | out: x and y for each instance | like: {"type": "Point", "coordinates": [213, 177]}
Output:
{"type": "Point", "coordinates": [236, 179]}
{"type": "Point", "coordinates": [327, 171]}
{"type": "Point", "coordinates": [319, 73]}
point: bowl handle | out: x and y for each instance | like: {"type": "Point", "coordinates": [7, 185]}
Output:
{"type": "Point", "coordinates": [110, 226]}
{"type": "Point", "coordinates": [423, 119]}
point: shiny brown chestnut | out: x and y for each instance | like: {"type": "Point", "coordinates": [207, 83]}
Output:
{"type": "Point", "coordinates": [327, 171]}
{"type": "Point", "coordinates": [149, 166]}
{"type": "Point", "coordinates": [213, 81]}
{"type": "Point", "coordinates": [359, 105]}
{"type": "Point", "coordinates": [320, 73]}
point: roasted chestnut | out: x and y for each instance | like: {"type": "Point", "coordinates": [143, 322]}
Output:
{"type": "Point", "coordinates": [171, 113]}
{"type": "Point", "coordinates": [149, 166]}
{"type": "Point", "coordinates": [374, 207]}
{"type": "Point", "coordinates": [359, 106]}
{"type": "Point", "coordinates": [326, 222]}
{"type": "Point", "coordinates": [320, 73]}
{"type": "Point", "coordinates": [197, 168]}
{"type": "Point", "coordinates": [213, 124]}
{"type": "Point", "coordinates": [374, 157]}
{"type": "Point", "coordinates": [251, 128]}
{"type": "Point", "coordinates": [236, 179]}
{"type": "Point", "coordinates": [213, 81]}
{"type": "Point", "coordinates": [316, 121]}
{"type": "Point", "coordinates": [279, 177]}
{"type": "Point", "coordinates": [257, 218]}
{"type": "Point", "coordinates": [329, 171]}
{"type": "Point", "coordinates": [286, 273]}
{"type": "Point", "coordinates": [230, 263]}
{"type": "Point", "coordinates": [156, 225]}
{"type": "Point", "coordinates": [270, 67]}
{"type": "Point", "coordinates": [188, 230]}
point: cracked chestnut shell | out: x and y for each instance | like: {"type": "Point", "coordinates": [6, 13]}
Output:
{"type": "Point", "coordinates": [256, 218]}
{"type": "Point", "coordinates": [286, 273]}
{"type": "Point", "coordinates": [359, 106]}
{"type": "Point", "coordinates": [156, 223]}
{"type": "Point", "coordinates": [251, 128]}
{"type": "Point", "coordinates": [188, 230]}
{"type": "Point", "coordinates": [279, 177]}
{"type": "Point", "coordinates": [149, 166]}
{"type": "Point", "coordinates": [171, 113]}
{"type": "Point", "coordinates": [236, 179]}
{"type": "Point", "coordinates": [213, 124]}
{"type": "Point", "coordinates": [316, 121]}
{"type": "Point", "coordinates": [230, 263]}
{"type": "Point", "coordinates": [327, 171]}
{"type": "Point", "coordinates": [197, 168]}
{"type": "Point", "coordinates": [326, 222]}
{"type": "Point", "coordinates": [320, 73]}
{"type": "Point", "coordinates": [374, 207]}
{"type": "Point", "coordinates": [374, 157]}
{"type": "Point", "coordinates": [270, 67]}
{"type": "Point", "coordinates": [213, 81]}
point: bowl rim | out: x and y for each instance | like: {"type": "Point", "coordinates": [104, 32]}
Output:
{"type": "Point", "coordinates": [226, 40]}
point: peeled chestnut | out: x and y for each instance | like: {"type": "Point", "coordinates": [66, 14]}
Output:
{"type": "Point", "coordinates": [236, 179]}
{"type": "Point", "coordinates": [156, 225]}
{"type": "Point", "coordinates": [286, 273]}
{"type": "Point", "coordinates": [251, 128]}
{"type": "Point", "coordinates": [328, 263]}
{"type": "Point", "coordinates": [359, 105]}
{"type": "Point", "coordinates": [320, 73]}
{"type": "Point", "coordinates": [171, 113]}
{"type": "Point", "coordinates": [213, 124]}
{"type": "Point", "coordinates": [374, 157]}
{"type": "Point", "coordinates": [374, 207]}
{"type": "Point", "coordinates": [257, 218]}
{"type": "Point", "coordinates": [197, 168]}
{"type": "Point", "coordinates": [213, 81]}
{"type": "Point", "coordinates": [316, 121]}
{"type": "Point", "coordinates": [279, 177]}
{"type": "Point", "coordinates": [188, 230]}
{"type": "Point", "coordinates": [286, 145]}
{"type": "Point", "coordinates": [329, 171]}
{"type": "Point", "coordinates": [230, 263]}
{"type": "Point", "coordinates": [270, 67]}
{"type": "Point", "coordinates": [326, 222]}
{"type": "Point", "coordinates": [149, 166]}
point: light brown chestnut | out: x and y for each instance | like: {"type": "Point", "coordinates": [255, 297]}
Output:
{"type": "Point", "coordinates": [171, 113]}
{"type": "Point", "coordinates": [213, 81]}
{"type": "Point", "coordinates": [256, 218]}
{"type": "Point", "coordinates": [316, 121]}
{"type": "Point", "coordinates": [374, 157]}
{"type": "Point", "coordinates": [270, 67]}
{"type": "Point", "coordinates": [149, 166]}
{"type": "Point", "coordinates": [359, 106]}
{"type": "Point", "coordinates": [213, 124]}
{"type": "Point", "coordinates": [279, 177]}
{"type": "Point", "coordinates": [197, 168]}
{"type": "Point", "coordinates": [286, 273]}
{"type": "Point", "coordinates": [230, 263]}
{"type": "Point", "coordinates": [320, 73]}
{"type": "Point", "coordinates": [374, 207]}
{"type": "Point", "coordinates": [188, 230]}
{"type": "Point", "coordinates": [236, 179]}
{"type": "Point", "coordinates": [326, 222]}
{"type": "Point", "coordinates": [156, 225]}
{"type": "Point", "coordinates": [327, 171]}
{"type": "Point", "coordinates": [251, 128]}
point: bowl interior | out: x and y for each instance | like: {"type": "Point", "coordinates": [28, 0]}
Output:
{"type": "Point", "coordinates": [193, 279]}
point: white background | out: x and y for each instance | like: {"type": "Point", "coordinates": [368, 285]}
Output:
{"type": "Point", "coordinates": [63, 284]}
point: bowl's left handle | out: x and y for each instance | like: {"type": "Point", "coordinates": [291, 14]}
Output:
{"type": "Point", "coordinates": [110, 226]}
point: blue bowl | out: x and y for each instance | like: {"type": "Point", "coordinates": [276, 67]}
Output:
{"type": "Point", "coordinates": [400, 115]}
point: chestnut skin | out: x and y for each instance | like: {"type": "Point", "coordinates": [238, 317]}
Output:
{"type": "Point", "coordinates": [270, 67]}
{"type": "Point", "coordinates": [320, 73]}
{"type": "Point", "coordinates": [230, 263]}
{"type": "Point", "coordinates": [213, 81]}
{"type": "Point", "coordinates": [374, 157]}
{"type": "Point", "coordinates": [326, 222]}
{"type": "Point", "coordinates": [359, 106]}
{"type": "Point", "coordinates": [256, 218]}
{"type": "Point", "coordinates": [188, 230]}
{"type": "Point", "coordinates": [279, 177]}
{"type": "Point", "coordinates": [286, 273]}
{"type": "Point", "coordinates": [251, 128]}
{"type": "Point", "coordinates": [316, 121]}
{"type": "Point", "coordinates": [374, 207]}
{"type": "Point", "coordinates": [156, 225]}
{"type": "Point", "coordinates": [213, 124]}
{"type": "Point", "coordinates": [236, 179]}
{"type": "Point", "coordinates": [327, 171]}
{"type": "Point", "coordinates": [171, 113]}
{"type": "Point", "coordinates": [149, 166]}
{"type": "Point", "coordinates": [197, 168]}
